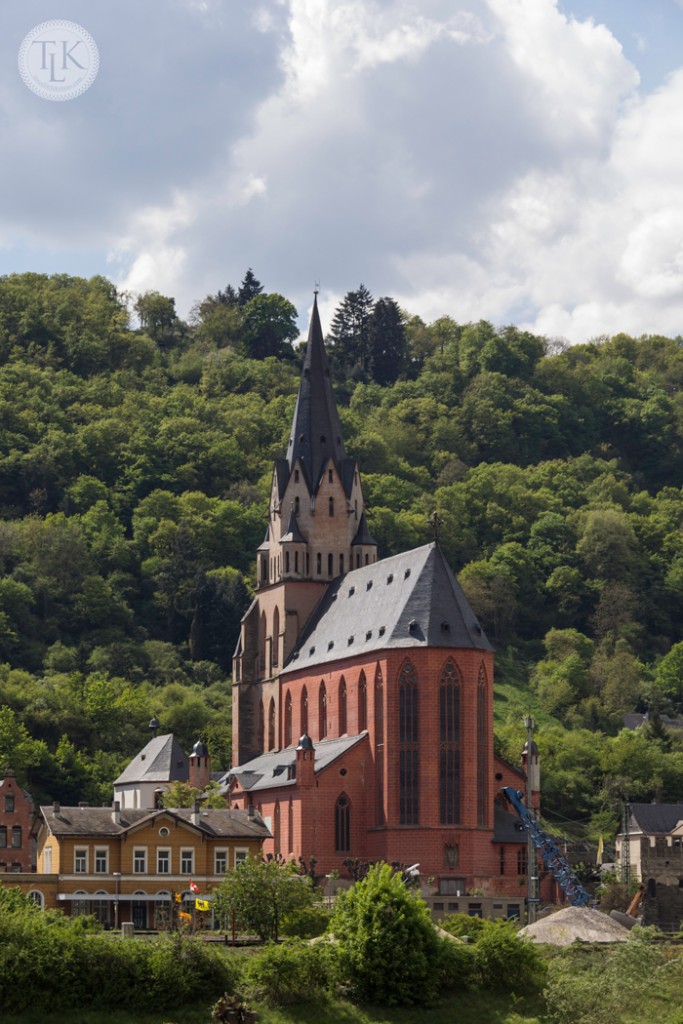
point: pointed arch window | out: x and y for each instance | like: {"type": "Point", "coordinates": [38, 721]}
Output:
{"type": "Point", "coordinates": [449, 745]}
{"type": "Point", "coordinates": [322, 712]}
{"type": "Point", "coordinates": [319, 563]}
{"type": "Point", "coordinates": [362, 703]}
{"type": "Point", "coordinates": [379, 744]}
{"type": "Point", "coordinates": [341, 565]}
{"type": "Point", "coordinates": [271, 725]}
{"type": "Point", "coordinates": [330, 565]}
{"type": "Point", "coordinates": [342, 824]}
{"type": "Point", "coordinates": [263, 644]}
{"type": "Point", "coordinates": [276, 828]}
{"type": "Point", "coordinates": [342, 707]}
{"type": "Point", "coordinates": [290, 825]}
{"type": "Point", "coordinates": [330, 505]}
{"type": "Point", "coordinates": [261, 727]}
{"type": "Point", "coordinates": [288, 719]}
{"type": "Point", "coordinates": [297, 505]}
{"type": "Point", "coordinates": [482, 749]}
{"type": "Point", "coordinates": [408, 770]}
{"type": "Point", "coordinates": [276, 637]}
{"type": "Point", "coordinates": [303, 717]}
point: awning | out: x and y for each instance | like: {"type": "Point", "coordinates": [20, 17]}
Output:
{"type": "Point", "coordinates": [124, 897]}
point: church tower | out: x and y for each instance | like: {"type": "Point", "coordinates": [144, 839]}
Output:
{"type": "Point", "coordinates": [316, 531]}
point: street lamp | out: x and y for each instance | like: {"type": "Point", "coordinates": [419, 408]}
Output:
{"type": "Point", "coordinates": [531, 856]}
{"type": "Point", "coordinates": [117, 879]}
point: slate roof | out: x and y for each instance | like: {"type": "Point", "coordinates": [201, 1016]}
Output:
{"type": "Point", "coordinates": [271, 770]}
{"type": "Point", "coordinates": [162, 760]}
{"type": "Point", "coordinates": [507, 828]}
{"type": "Point", "coordinates": [316, 431]}
{"type": "Point", "coordinates": [293, 534]}
{"type": "Point", "coordinates": [409, 600]}
{"type": "Point", "coordinates": [99, 821]}
{"type": "Point", "coordinates": [655, 819]}
{"type": "Point", "coordinates": [363, 535]}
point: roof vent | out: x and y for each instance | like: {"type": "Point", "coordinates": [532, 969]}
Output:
{"type": "Point", "coordinates": [477, 627]}
{"type": "Point", "coordinates": [412, 625]}
{"type": "Point", "coordinates": [311, 650]}
{"type": "Point", "coordinates": [382, 630]}
{"type": "Point", "coordinates": [143, 757]}
{"type": "Point", "coordinates": [368, 585]}
{"type": "Point", "coordinates": [330, 645]}
{"type": "Point", "coordinates": [445, 627]}
{"type": "Point", "coordinates": [390, 578]}
{"type": "Point", "coordinates": [350, 640]}
{"type": "Point", "coordinates": [406, 574]}
{"type": "Point", "coordinates": [302, 438]}
{"type": "Point", "coordinates": [368, 635]}
{"type": "Point", "coordinates": [323, 439]}
{"type": "Point", "coordinates": [352, 591]}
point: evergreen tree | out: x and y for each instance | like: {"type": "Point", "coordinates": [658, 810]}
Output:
{"type": "Point", "coordinates": [387, 342]}
{"type": "Point", "coordinates": [349, 333]}
{"type": "Point", "coordinates": [249, 289]}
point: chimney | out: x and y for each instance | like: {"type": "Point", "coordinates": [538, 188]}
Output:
{"type": "Point", "coordinates": [305, 762]}
{"type": "Point", "coordinates": [116, 812]}
{"type": "Point", "coordinates": [195, 813]}
{"type": "Point", "coordinates": [56, 807]}
{"type": "Point", "coordinates": [251, 812]}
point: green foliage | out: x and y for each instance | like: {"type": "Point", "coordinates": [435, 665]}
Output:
{"type": "Point", "coordinates": [50, 962]}
{"type": "Point", "coordinates": [389, 949]}
{"type": "Point", "coordinates": [262, 894]}
{"type": "Point", "coordinates": [584, 988]}
{"type": "Point", "coordinates": [293, 972]}
{"type": "Point", "coordinates": [307, 922]}
{"type": "Point", "coordinates": [504, 960]}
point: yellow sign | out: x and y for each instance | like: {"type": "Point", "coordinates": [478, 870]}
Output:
{"type": "Point", "coordinates": [202, 905]}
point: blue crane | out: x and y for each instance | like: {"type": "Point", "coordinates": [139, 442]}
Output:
{"type": "Point", "coordinates": [551, 855]}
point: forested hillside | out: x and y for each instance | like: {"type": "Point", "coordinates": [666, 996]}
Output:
{"type": "Point", "coordinates": [134, 472]}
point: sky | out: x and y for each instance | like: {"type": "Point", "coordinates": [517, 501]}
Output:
{"type": "Point", "coordinates": [519, 161]}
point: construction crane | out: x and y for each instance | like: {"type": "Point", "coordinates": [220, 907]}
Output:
{"type": "Point", "coordinates": [551, 855]}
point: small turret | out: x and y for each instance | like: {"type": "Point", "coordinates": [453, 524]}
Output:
{"type": "Point", "coordinates": [200, 766]}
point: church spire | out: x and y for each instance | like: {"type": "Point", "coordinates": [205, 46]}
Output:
{"type": "Point", "coordinates": [316, 431]}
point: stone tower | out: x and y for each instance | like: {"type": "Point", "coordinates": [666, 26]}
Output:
{"type": "Point", "coordinates": [316, 531]}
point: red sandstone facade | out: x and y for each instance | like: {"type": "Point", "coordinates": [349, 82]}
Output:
{"type": "Point", "coordinates": [385, 754]}
{"type": "Point", "coordinates": [16, 819]}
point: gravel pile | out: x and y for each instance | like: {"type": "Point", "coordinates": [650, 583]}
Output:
{"type": "Point", "coordinates": [572, 923]}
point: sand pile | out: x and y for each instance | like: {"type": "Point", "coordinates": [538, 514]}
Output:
{"type": "Point", "coordinates": [565, 926]}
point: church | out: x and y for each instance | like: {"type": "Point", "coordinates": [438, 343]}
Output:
{"type": "Point", "coordinates": [363, 688]}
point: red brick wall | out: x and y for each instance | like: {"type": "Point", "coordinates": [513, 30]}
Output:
{"type": "Point", "coordinates": [14, 858]}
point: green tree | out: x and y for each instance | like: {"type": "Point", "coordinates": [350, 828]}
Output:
{"type": "Point", "coordinates": [269, 326]}
{"type": "Point", "coordinates": [261, 894]}
{"type": "Point", "coordinates": [248, 289]}
{"type": "Point", "coordinates": [387, 342]}
{"type": "Point", "coordinates": [350, 332]}
{"type": "Point", "coordinates": [388, 946]}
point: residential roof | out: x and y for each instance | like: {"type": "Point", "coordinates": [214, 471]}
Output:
{"type": "Point", "coordinates": [409, 600]}
{"type": "Point", "coordinates": [162, 760]}
{"type": "Point", "coordinates": [316, 431]}
{"type": "Point", "coordinates": [655, 819]}
{"type": "Point", "coordinates": [272, 770]}
{"type": "Point", "coordinates": [100, 821]}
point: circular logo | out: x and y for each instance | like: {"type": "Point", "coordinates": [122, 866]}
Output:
{"type": "Point", "coordinates": [58, 60]}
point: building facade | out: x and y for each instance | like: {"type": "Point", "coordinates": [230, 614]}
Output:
{"type": "Point", "coordinates": [363, 689]}
{"type": "Point", "coordinates": [16, 819]}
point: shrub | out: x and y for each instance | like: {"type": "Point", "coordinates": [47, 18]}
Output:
{"type": "Point", "coordinates": [389, 949]}
{"type": "Point", "coordinates": [462, 924]}
{"type": "Point", "coordinates": [504, 960]}
{"type": "Point", "coordinates": [293, 972]}
{"type": "Point", "coordinates": [458, 968]}
{"type": "Point", "coordinates": [307, 922]}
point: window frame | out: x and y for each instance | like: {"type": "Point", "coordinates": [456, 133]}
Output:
{"type": "Point", "coordinates": [187, 857]}
{"type": "Point", "coordinates": [167, 853]}
{"type": "Point", "coordinates": [81, 857]}
{"type": "Point", "coordinates": [140, 852]}
{"type": "Point", "coordinates": [99, 851]}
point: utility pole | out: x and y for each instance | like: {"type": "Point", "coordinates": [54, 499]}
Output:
{"type": "Point", "coordinates": [531, 855]}
{"type": "Point", "coordinates": [626, 846]}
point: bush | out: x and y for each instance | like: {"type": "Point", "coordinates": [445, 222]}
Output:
{"type": "Point", "coordinates": [389, 949]}
{"type": "Point", "coordinates": [293, 972]}
{"type": "Point", "coordinates": [505, 961]}
{"type": "Point", "coordinates": [458, 968]}
{"type": "Point", "coordinates": [307, 923]}
{"type": "Point", "coordinates": [462, 924]}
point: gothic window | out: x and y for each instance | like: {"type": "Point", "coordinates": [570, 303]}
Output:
{"type": "Point", "coordinates": [286, 561]}
{"type": "Point", "coordinates": [288, 719]}
{"type": "Point", "coordinates": [296, 476]}
{"type": "Point", "coordinates": [271, 725]}
{"type": "Point", "coordinates": [290, 825]}
{"type": "Point", "coordinates": [408, 745]}
{"type": "Point", "coordinates": [262, 646]}
{"type": "Point", "coordinates": [341, 565]}
{"type": "Point", "coordinates": [276, 637]}
{"type": "Point", "coordinates": [308, 564]}
{"type": "Point", "coordinates": [342, 707]}
{"type": "Point", "coordinates": [296, 506]}
{"type": "Point", "coordinates": [330, 475]}
{"type": "Point", "coordinates": [320, 564]}
{"type": "Point", "coordinates": [276, 828]}
{"type": "Point", "coordinates": [330, 565]}
{"type": "Point", "coordinates": [322, 712]}
{"type": "Point", "coordinates": [261, 727]}
{"type": "Point", "coordinates": [303, 722]}
{"type": "Point", "coordinates": [330, 504]}
{"type": "Point", "coordinates": [379, 743]}
{"type": "Point", "coordinates": [342, 825]}
{"type": "Point", "coordinates": [482, 750]}
{"type": "Point", "coordinates": [449, 745]}
{"type": "Point", "coordinates": [296, 562]}
{"type": "Point", "coordinates": [521, 861]}
{"type": "Point", "coordinates": [362, 703]}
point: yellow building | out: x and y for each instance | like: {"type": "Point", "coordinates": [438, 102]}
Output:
{"type": "Point", "coordinates": [128, 866]}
